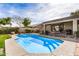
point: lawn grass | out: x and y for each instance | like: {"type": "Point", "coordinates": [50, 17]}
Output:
{"type": "Point", "coordinates": [3, 37]}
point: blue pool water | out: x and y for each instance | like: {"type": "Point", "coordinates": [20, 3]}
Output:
{"type": "Point", "coordinates": [33, 43]}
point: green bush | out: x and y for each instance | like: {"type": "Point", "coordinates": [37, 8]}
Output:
{"type": "Point", "coordinates": [37, 31]}
{"type": "Point", "coordinates": [8, 30]}
{"type": "Point", "coordinates": [77, 34]}
{"type": "Point", "coordinates": [28, 30]}
{"type": "Point", "coordinates": [31, 31]}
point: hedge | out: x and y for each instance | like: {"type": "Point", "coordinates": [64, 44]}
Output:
{"type": "Point", "coordinates": [8, 30]}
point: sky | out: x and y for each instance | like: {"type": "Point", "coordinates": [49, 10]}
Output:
{"type": "Point", "coordinates": [37, 12]}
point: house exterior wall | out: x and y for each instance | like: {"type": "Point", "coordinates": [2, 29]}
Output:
{"type": "Point", "coordinates": [21, 29]}
{"type": "Point", "coordinates": [41, 27]}
{"type": "Point", "coordinates": [48, 27]}
{"type": "Point", "coordinates": [78, 25]}
{"type": "Point", "coordinates": [75, 26]}
{"type": "Point", "coordinates": [68, 25]}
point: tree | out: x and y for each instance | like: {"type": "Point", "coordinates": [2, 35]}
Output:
{"type": "Point", "coordinates": [8, 20]}
{"type": "Point", "coordinates": [18, 20]}
{"type": "Point", "coordinates": [1, 22]}
{"type": "Point", "coordinates": [26, 22]}
{"type": "Point", "coordinates": [75, 14]}
{"type": "Point", "coordinates": [5, 21]}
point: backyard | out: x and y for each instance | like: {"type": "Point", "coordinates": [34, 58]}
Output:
{"type": "Point", "coordinates": [6, 31]}
{"type": "Point", "coordinates": [46, 36]}
{"type": "Point", "coordinates": [3, 37]}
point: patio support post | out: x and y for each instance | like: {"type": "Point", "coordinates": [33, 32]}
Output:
{"type": "Point", "coordinates": [51, 27]}
{"type": "Point", "coordinates": [74, 26]}
{"type": "Point", "coordinates": [44, 28]}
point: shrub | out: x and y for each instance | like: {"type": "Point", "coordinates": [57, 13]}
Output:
{"type": "Point", "coordinates": [8, 30]}
{"type": "Point", "coordinates": [31, 31]}
{"type": "Point", "coordinates": [28, 30]}
{"type": "Point", "coordinates": [77, 34]}
{"type": "Point", "coordinates": [37, 31]}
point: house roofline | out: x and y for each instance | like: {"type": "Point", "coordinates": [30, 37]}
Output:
{"type": "Point", "coordinates": [61, 19]}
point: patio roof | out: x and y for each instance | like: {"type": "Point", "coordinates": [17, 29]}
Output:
{"type": "Point", "coordinates": [61, 19]}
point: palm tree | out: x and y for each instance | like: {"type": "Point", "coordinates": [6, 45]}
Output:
{"type": "Point", "coordinates": [26, 22]}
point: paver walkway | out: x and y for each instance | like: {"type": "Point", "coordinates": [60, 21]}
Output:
{"type": "Point", "coordinates": [13, 49]}
{"type": "Point", "coordinates": [77, 48]}
{"type": "Point", "coordinates": [68, 48]}
{"type": "Point", "coordinates": [1, 51]}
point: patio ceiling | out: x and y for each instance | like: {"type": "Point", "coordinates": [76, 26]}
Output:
{"type": "Point", "coordinates": [59, 21]}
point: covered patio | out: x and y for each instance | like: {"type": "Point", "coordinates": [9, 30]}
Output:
{"type": "Point", "coordinates": [63, 27]}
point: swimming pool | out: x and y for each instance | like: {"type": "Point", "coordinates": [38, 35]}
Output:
{"type": "Point", "coordinates": [34, 43]}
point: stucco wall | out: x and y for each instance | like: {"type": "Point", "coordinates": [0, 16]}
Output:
{"type": "Point", "coordinates": [41, 27]}
{"type": "Point", "coordinates": [78, 27]}
{"type": "Point", "coordinates": [48, 27]}
{"type": "Point", "coordinates": [68, 25]}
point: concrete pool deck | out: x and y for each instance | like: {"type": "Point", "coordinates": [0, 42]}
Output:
{"type": "Point", "coordinates": [14, 49]}
{"type": "Point", "coordinates": [77, 48]}
{"type": "Point", "coordinates": [68, 48]}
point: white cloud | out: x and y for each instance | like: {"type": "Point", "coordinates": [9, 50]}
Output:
{"type": "Point", "coordinates": [51, 11]}
{"type": "Point", "coordinates": [60, 10]}
{"type": "Point", "coordinates": [42, 12]}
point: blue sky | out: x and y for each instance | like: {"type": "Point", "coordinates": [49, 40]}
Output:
{"type": "Point", "coordinates": [37, 12]}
